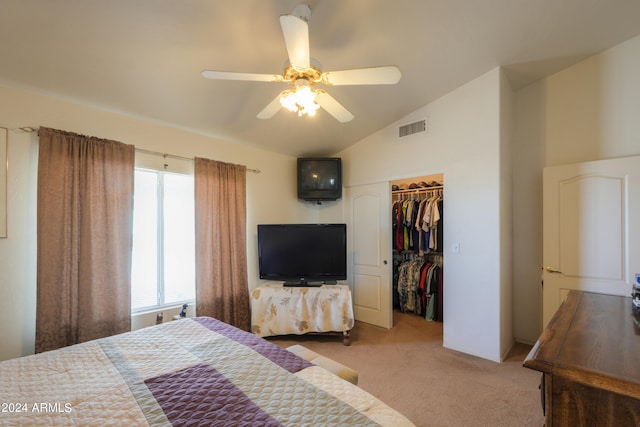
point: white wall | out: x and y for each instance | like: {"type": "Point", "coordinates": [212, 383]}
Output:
{"type": "Point", "coordinates": [18, 250]}
{"type": "Point", "coordinates": [271, 195]}
{"type": "Point", "coordinates": [586, 112]}
{"type": "Point", "coordinates": [592, 109]}
{"type": "Point", "coordinates": [589, 111]}
{"type": "Point", "coordinates": [463, 143]}
{"type": "Point", "coordinates": [506, 216]}
{"type": "Point", "coordinates": [528, 161]}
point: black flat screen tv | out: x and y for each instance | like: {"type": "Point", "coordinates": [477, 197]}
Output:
{"type": "Point", "coordinates": [319, 178]}
{"type": "Point", "coordinates": [303, 254]}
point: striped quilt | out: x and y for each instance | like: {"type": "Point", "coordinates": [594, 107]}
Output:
{"type": "Point", "coordinates": [195, 372]}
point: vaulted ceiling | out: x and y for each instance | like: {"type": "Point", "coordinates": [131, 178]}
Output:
{"type": "Point", "coordinates": [144, 57]}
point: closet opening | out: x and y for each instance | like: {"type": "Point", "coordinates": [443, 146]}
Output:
{"type": "Point", "coordinates": [417, 212]}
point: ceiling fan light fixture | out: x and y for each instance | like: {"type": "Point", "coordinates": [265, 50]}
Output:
{"type": "Point", "coordinates": [301, 100]}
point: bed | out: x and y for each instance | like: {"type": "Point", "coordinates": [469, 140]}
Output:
{"type": "Point", "coordinates": [192, 371]}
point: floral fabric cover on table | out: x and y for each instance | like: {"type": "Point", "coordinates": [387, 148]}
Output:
{"type": "Point", "coordinates": [280, 310]}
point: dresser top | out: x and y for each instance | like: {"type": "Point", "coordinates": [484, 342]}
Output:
{"type": "Point", "coordinates": [593, 339]}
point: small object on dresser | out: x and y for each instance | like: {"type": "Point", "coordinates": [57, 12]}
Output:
{"type": "Point", "coordinates": [635, 293]}
{"type": "Point", "coordinates": [183, 312]}
{"type": "Point", "coordinates": [159, 318]}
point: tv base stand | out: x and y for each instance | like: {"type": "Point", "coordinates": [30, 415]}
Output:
{"type": "Point", "coordinates": [302, 284]}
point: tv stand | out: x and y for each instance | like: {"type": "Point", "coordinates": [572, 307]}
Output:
{"type": "Point", "coordinates": [302, 284]}
{"type": "Point", "coordinates": [293, 310]}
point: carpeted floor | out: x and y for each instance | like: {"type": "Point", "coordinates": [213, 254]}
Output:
{"type": "Point", "coordinates": [407, 368]}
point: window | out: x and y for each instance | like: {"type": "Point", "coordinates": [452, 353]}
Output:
{"type": "Point", "coordinates": [163, 262]}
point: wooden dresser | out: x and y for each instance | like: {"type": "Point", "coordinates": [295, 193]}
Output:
{"type": "Point", "coordinates": [589, 355]}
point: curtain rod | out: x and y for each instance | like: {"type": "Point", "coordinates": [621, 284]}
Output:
{"type": "Point", "coordinates": [29, 129]}
{"type": "Point", "coordinates": [173, 156]}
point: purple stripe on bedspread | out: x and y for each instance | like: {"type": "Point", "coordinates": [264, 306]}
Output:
{"type": "Point", "coordinates": [276, 354]}
{"type": "Point", "coordinates": [202, 396]}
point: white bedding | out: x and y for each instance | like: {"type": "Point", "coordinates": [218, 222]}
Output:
{"type": "Point", "coordinates": [187, 372]}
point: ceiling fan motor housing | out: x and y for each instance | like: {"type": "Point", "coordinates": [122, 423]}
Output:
{"type": "Point", "coordinates": [312, 74]}
{"type": "Point", "coordinates": [302, 11]}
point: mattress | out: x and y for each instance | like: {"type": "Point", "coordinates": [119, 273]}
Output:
{"type": "Point", "coordinates": [194, 371]}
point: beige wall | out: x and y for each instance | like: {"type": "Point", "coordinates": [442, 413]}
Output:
{"type": "Point", "coordinates": [463, 143]}
{"type": "Point", "coordinates": [271, 195]}
{"type": "Point", "coordinates": [506, 216]}
{"type": "Point", "coordinates": [586, 112]}
{"type": "Point", "coordinates": [591, 110]}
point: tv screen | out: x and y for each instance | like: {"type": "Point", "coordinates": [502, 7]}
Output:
{"type": "Point", "coordinates": [302, 254]}
{"type": "Point", "coordinates": [319, 178]}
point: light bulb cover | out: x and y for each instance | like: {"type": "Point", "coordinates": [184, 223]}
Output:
{"type": "Point", "coordinates": [301, 99]}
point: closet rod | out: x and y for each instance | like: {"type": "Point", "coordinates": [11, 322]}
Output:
{"type": "Point", "coordinates": [30, 129]}
{"type": "Point", "coordinates": [418, 190]}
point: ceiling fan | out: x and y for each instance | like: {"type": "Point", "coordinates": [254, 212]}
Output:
{"type": "Point", "coordinates": [303, 76]}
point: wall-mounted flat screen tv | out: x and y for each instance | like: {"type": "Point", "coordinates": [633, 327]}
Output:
{"type": "Point", "coordinates": [302, 254]}
{"type": "Point", "coordinates": [319, 178]}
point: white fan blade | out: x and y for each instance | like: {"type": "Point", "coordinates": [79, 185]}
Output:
{"type": "Point", "coordinates": [387, 75]}
{"type": "Point", "coordinates": [226, 75]}
{"type": "Point", "coordinates": [333, 107]}
{"type": "Point", "coordinates": [296, 37]}
{"type": "Point", "coordinates": [271, 109]}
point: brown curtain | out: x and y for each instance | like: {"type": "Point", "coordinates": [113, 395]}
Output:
{"type": "Point", "coordinates": [85, 211]}
{"type": "Point", "coordinates": [221, 254]}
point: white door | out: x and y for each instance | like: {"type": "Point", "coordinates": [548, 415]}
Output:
{"type": "Point", "coordinates": [591, 229]}
{"type": "Point", "coordinates": [368, 217]}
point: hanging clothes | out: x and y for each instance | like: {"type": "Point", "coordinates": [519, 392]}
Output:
{"type": "Point", "coordinates": [417, 231]}
{"type": "Point", "coordinates": [419, 288]}
{"type": "Point", "coordinates": [417, 224]}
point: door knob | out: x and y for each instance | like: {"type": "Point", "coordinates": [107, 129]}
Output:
{"type": "Point", "coordinates": [553, 270]}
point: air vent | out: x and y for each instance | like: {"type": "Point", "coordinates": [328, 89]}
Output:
{"type": "Point", "coordinates": [412, 128]}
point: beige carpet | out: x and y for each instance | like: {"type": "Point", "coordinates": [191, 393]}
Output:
{"type": "Point", "coordinates": [407, 368]}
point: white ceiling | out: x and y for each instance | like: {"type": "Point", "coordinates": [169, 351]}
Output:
{"type": "Point", "coordinates": [144, 57]}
